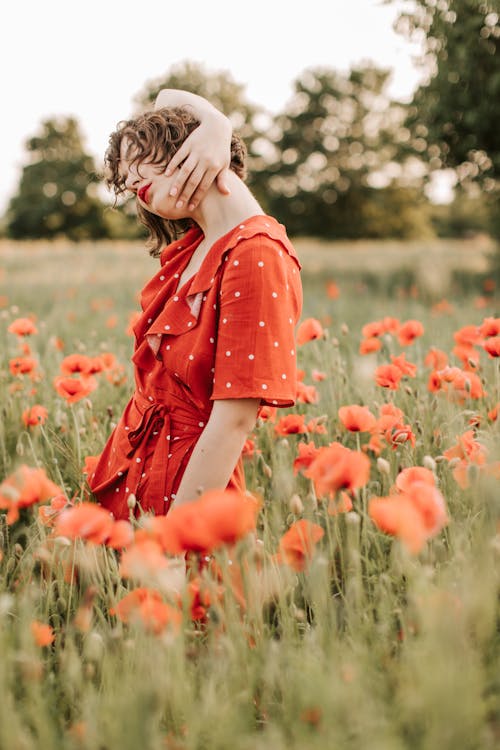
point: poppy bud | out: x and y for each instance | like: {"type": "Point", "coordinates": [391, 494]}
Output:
{"type": "Point", "coordinates": [296, 505]}
{"type": "Point", "coordinates": [267, 471]}
{"type": "Point", "coordinates": [131, 501]}
{"type": "Point", "coordinates": [429, 463]}
{"type": "Point", "coordinates": [344, 329]}
{"type": "Point", "coordinates": [383, 466]}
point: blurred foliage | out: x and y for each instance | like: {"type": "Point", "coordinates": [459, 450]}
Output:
{"type": "Point", "coordinates": [467, 215]}
{"type": "Point", "coordinates": [453, 113]}
{"type": "Point", "coordinates": [338, 168]}
{"type": "Point", "coordinates": [57, 193]}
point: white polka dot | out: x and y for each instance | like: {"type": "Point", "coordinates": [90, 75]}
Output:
{"type": "Point", "coordinates": [290, 320]}
{"type": "Point", "coordinates": [127, 428]}
{"type": "Point", "coordinates": [264, 387]}
{"type": "Point", "coordinates": [281, 253]}
{"type": "Point", "coordinates": [117, 489]}
{"type": "Point", "coordinates": [201, 424]}
{"type": "Point", "coordinates": [261, 323]}
{"type": "Point", "coordinates": [274, 295]}
{"type": "Point", "coordinates": [228, 353]}
{"type": "Point", "coordinates": [242, 226]}
{"type": "Point", "coordinates": [212, 280]}
{"type": "Point", "coordinates": [162, 278]}
{"type": "Point", "coordinates": [150, 320]}
{"type": "Point", "coordinates": [150, 398]}
{"type": "Point", "coordinates": [143, 474]}
{"type": "Point", "coordinates": [251, 356]}
{"type": "Point", "coordinates": [228, 385]}
{"type": "Point", "coordinates": [176, 275]}
{"type": "Point", "coordinates": [236, 262]}
{"type": "Point", "coordinates": [260, 264]}
{"type": "Point", "coordinates": [176, 298]}
{"type": "Point", "coordinates": [212, 369]}
{"type": "Point", "coordinates": [138, 460]}
{"type": "Point", "coordinates": [276, 344]}
{"type": "Point", "coordinates": [204, 297]}
{"type": "Point", "coordinates": [191, 357]}
{"type": "Point", "coordinates": [168, 437]}
{"type": "Point", "coordinates": [167, 328]}
{"type": "Point", "coordinates": [226, 257]}
{"type": "Point", "coordinates": [190, 323]}
{"type": "Point", "coordinates": [212, 340]}
{"type": "Point", "coordinates": [292, 352]}
{"type": "Point", "coordinates": [283, 376]}
{"type": "Point", "coordinates": [274, 401]}
{"type": "Point", "coordinates": [120, 473]}
{"type": "Point", "coordinates": [224, 320]}
{"type": "Point", "coordinates": [167, 346]}
{"type": "Point", "coordinates": [237, 294]}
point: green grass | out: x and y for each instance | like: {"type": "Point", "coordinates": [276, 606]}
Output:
{"type": "Point", "coordinates": [370, 647]}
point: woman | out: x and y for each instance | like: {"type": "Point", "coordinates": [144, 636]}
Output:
{"type": "Point", "coordinates": [216, 337]}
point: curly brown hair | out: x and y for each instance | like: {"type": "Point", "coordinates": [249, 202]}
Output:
{"type": "Point", "coordinates": [155, 137]}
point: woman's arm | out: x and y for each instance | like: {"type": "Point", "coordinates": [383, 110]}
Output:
{"type": "Point", "coordinates": [205, 154]}
{"type": "Point", "coordinates": [218, 448]}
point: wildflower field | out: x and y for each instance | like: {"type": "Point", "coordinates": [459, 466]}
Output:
{"type": "Point", "coordinates": [350, 600]}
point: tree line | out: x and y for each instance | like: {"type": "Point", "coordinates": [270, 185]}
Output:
{"type": "Point", "coordinates": [342, 160]}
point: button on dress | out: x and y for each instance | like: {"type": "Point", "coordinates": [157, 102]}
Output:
{"type": "Point", "coordinates": [229, 332]}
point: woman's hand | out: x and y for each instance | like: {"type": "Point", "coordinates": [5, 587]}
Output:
{"type": "Point", "coordinates": [205, 154]}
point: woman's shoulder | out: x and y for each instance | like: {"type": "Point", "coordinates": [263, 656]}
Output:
{"type": "Point", "coordinates": [260, 233]}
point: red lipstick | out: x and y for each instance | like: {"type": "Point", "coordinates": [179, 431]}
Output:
{"type": "Point", "coordinates": [143, 193]}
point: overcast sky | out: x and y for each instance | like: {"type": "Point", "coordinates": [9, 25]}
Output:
{"type": "Point", "coordinates": [89, 59]}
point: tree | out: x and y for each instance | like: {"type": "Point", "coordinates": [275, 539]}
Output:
{"type": "Point", "coordinates": [57, 193]}
{"type": "Point", "coordinates": [454, 113]}
{"type": "Point", "coordinates": [338, 167]}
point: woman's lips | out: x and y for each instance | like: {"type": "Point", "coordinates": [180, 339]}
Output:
{"type": "Point", "coordinates": [143, 193]}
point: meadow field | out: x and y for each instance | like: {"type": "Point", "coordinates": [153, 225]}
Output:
{"type": "Point", "coordinates": [353, 600]}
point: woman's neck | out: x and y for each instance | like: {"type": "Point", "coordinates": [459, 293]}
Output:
{"type": "Point", "coordinates": [217, 214]}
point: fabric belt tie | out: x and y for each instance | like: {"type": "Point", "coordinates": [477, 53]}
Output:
{"type": "Point", "coordinates": [155, 424]}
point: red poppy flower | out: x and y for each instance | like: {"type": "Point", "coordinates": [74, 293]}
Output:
{"type": "Point", "coordinates": [87, 521]}
{"type": "Point", "coordinates": [216, 518]}
{"type": "Point", "coordinates": [307, 452]}
{"type": "Point", "coordinates": [409, 331]}
{"type": "Point", "coordinates": [332, 290]}
{"type": "Point", "coordinates": [368, 346]}
{"type": "Point", "coordinates": [291, 424]}
{"type": "Point", "coordinates": [146, 606]}
{"type": "Point", "coordinates": [407, 368]}
{"type": "Point", "coordinates": [468, 335]}
{"type": "Point", "coordinates": [436, 358]}
{"type": "Point", "coordinates": [22, 327]}
{"type": "Point", "coordinates": [36, 415]}
{"type": "Point", "coordinates": [338, 468]}
{"type": "Point", "coordinates": [297, 545]}
{"type": "Point", "coordinates": [490, 327]}
{"type": "Point", "coordinates": [306, 394]}
{"type": "Point", "coordinates": [74, 389]}
{"type": "Point", "coordinates": [308, 330]}
{"type": "Point", "coordinates": [492, 346]}
{"type": "Point", "coordinates": [388, 376]}
{"type": "Point", "coordinates": [22, 365]}
{"type": "Point", "coordinates": [25, 487]}
{"type": "Point", "coordinates": [357, 418]}
{"type": "Point", "coordinates": [43, 634]}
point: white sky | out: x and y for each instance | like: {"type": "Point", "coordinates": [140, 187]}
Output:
{"type": "Point", "coordinates": [89, 59]}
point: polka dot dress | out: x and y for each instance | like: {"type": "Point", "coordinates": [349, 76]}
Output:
{"type": "Point", "coordinates": [227, 332]}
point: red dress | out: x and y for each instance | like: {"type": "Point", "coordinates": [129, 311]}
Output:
{"type": "Point", "coordinates": [227, 333]}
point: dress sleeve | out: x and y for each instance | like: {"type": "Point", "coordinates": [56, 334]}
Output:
{"type": "Point", "coordinates": [260, 304]}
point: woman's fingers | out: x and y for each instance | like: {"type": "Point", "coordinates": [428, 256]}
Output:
{"type": "Point", "coordinates": [189, 186]}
